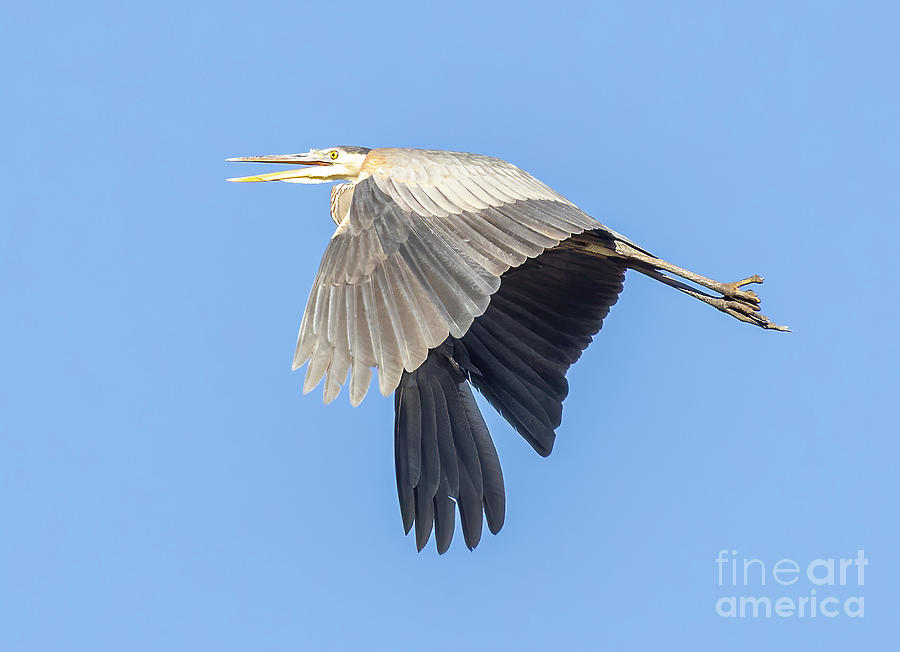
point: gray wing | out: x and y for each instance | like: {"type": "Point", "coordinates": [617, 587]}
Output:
{"type": "Point", "coordinates": [417, 258]}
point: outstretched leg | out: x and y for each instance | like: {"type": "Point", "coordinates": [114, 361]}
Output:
{"type": "Point", "coordinates": [746, 310]}
{"type": "Point", "coordinates": [740, 304]}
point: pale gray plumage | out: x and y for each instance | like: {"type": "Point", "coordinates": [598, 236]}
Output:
{"type": "Point", "coordinates": [419, 252]}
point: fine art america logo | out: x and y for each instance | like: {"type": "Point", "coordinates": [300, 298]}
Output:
{"type": "Point", "coordinates": [824, 587]}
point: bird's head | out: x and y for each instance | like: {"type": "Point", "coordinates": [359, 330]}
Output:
{"type": "Point", "coordinates": [331, 164]}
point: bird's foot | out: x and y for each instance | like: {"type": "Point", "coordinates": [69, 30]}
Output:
{"type": "Point", "coordinates": [734, 291]}
{"type": "Point", "coordinates": [744, 304]}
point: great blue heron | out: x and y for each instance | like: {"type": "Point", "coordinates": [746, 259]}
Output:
{"type": "Point", "coordinates": [446, 269]}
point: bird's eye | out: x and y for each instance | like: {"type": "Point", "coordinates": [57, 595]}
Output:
{"type": "Point", "coordinates": [334, 155]}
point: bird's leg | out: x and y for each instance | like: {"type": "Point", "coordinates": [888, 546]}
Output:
{"type": "Point", "coordinates": [730, 290]}
{"type": "Point", "coordinates": [740, 304]}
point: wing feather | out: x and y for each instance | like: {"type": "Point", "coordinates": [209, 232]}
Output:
{"type": "Point", "coordinates": [470, 184]}
{"type": "Point", "coordinates": [441, 200]}
{"type": "Point", "coordinates": [472, 244]}
{"type": "Point", "coordinates": [390, 367]}
{"type": "Point", "coordinates": [426, 201]}
{"type": "Point", "coordinates": [408, 201]}
{"type": "Point", "coordinates": [523, 239]}
{"type": "Point", "coordinates": [495, 190]}
{"type": "Point", "coordinates": [456, 191]}
{"type": "Point", "coordinates": [370, 311]}
{"type": "Point", "coordinates": [361, 350]}
{"type": "Point", "coordinates": [512, 256]}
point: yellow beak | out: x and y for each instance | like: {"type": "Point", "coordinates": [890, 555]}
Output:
{"type": "Point", "coordinates": [273, 176]}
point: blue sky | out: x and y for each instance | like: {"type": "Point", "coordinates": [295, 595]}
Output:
{"type": "Point", "coordinates": [165, 486]}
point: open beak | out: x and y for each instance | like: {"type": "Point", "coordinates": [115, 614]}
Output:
{"type": "Point", "coordinates": [297, 175]}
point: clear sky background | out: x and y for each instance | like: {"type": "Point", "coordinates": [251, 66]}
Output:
{"type": "Point", "coordinates": [165, 486]}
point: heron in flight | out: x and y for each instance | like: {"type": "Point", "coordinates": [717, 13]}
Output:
{"type": "Point", "coordinates": [448, 270]}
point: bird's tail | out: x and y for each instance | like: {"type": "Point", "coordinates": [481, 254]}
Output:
{"type": "Point", "coordinates": [444, 455]}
